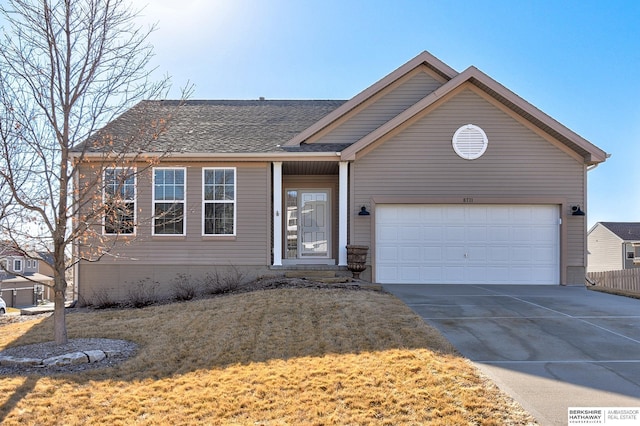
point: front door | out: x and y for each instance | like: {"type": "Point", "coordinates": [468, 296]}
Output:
{"type": "Point", "coordinates": [308, 224]}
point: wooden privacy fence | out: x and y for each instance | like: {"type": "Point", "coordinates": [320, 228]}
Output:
{"type": "Point", "coordinates": [625, 279]}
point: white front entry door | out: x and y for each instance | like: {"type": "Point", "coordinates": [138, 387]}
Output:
{"type": "Point", "coordinates": [314, 224]}
{"type": "Point", "coordinates": [308, 224]}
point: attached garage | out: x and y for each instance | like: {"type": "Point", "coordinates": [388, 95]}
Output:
{"type": "Point", "coordinates": [467, 244]}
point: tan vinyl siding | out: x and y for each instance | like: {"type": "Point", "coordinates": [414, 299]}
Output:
{"type": "Point", "coordinates": [249, 247]}
{"type": "Point", "coordinates": [419, 163]}
{"type": "Point", "coordinates": [383, 109]}
{"type": "Point", "coordinates": [605, 250]}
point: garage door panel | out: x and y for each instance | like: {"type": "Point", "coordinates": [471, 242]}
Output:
{"type": "Point", "coordinates": [453, 214]}
{"type": "Point", "coordinates": [545, 233]}
{"type": "Point", "coordinates": [410, 254]}
{"type": "Point", "coordinates": [543, 255]}
{"type": "Point", "coordinates": [520, 254]}
{"type": "Point", "coordinates": [499, 234]}
{"type": "Point", "coordinates": [432, 253]}
{"type": "Point", "coordinates": [499, 217]}
{"type": "Point", "coordinates": [430, 233]}
{"type": "Point", "coordinates": [498, 274]}
{"type": "Point", "coordinates": [476, 216]}
{"type": "Point", "coordinates": [522, 233]}
{"type": "Point", "coordinates": [452, 274]}
{"type": "Point", "coordinates": [387, 254]}
{"type": "Point", "coordinates": [498, 255]}
{"type": "Point", "coordinates": [453, 254]}
{"type": "Point", "coordinates": [501, 244]}
{"type": "Point", "coordinates": [477, 272]}
{"type": "Point", "coordinates": [431, 274]}
{"type": "Point", "coordinates": [409, 233]}
{"type": "Point", "coordinates": [388, 234]}
{"type": "Point", "coordinates": [410, 273]}
{"type": "Point", "coordinates": [454, 233]}
{"type": "Point", "coordinates": [476, 253]}
{"type": "Point", "coordinates": [477, 234]}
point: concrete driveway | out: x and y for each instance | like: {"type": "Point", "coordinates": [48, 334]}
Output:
{"type": "Point", "coordinates": [549, 347]}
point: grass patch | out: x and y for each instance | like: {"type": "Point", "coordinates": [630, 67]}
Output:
{"type": "Point", "coordinates": [277, 357]}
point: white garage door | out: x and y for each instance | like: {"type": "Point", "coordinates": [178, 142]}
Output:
{"type": "Point", "coordinates": [467, 244]}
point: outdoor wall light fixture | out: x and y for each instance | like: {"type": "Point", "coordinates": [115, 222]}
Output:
{"type": "Point", "coordinates": [364, 212]}
{"type": "Point", "coordinates": [576, 211]}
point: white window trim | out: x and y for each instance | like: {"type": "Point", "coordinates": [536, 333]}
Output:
{"type": "Point", "coordinates": [134, 200]}
{"type": "Point", "coordinates": [20, 269]}
{"type": "Point", "coordinates": [234, 202]}
{"type": "Point", "coordinates": [153, 202]}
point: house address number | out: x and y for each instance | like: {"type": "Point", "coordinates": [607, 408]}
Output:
{"type": "Point", "coordinates": [467, 200]}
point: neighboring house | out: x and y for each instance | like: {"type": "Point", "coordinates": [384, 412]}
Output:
{"type": "Point", "coordinates": [613, 246]}
{"type": "Point", "coordinates": [18, 274]}
{"type": "Point", "coordinates": [464, 182]}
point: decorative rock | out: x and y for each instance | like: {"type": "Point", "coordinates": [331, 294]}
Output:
{"type": "Point", "coordinates": [72, 358]}
{"type": "Point", "coordinates": [95, 356]}
{"type": "Point", "coordinates": [111, 353]}
{"type": "Point", "coordinates": [10, 360]}
{"type": "Point", "coordinates": [67, 359]}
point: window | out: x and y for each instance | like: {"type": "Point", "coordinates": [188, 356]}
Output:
{"type": "Point", "coordinates": [120, 200]}
{"type": "Point", "coordinates": [219, 201]}
{"type": "Point", "coordinates": [168, 201]}
{"type": "Point", "coordinates": [3, 265]}
{"type": "Point", "coordinates": [17, 265]}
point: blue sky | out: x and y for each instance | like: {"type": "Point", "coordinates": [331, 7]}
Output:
{"type": "Point", "coordinates": [576, 60]}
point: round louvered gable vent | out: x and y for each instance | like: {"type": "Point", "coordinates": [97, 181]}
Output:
{"type": "Point", "coordinates": [469, 142]}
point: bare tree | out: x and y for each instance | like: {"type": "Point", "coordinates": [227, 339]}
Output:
{"type": "Point", "coordinates": [68, 67]}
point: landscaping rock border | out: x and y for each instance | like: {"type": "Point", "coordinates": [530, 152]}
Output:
{"type": "Point", "coordinates": [60, 360]}
{"type": "Point", "coordinates": [77, 355]}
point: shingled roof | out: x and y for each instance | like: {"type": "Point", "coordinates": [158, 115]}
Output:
{"type": "Point", "coordinates": [627, 231]}
{"type": "Point", "coordinates": [216, 126]}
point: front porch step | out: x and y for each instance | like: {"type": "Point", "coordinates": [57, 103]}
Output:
{"type": "Point", "coordinates": [335, 280]}
{"type": "Point", "coordinates": [310, 273]}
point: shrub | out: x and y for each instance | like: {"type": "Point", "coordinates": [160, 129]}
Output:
{"type": "Point", "coordinates": [184, 288]}
{"type": "Point", "coordinates": [219, 283]}
{"type": "Point", "coordinates": [142, 293]}
{"type": "Point", "coordinates": [101, 299]}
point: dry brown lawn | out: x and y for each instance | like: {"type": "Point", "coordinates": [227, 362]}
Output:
{"type": "Point", "coordinates": [276, 357]}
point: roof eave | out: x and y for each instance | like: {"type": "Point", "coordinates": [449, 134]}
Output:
{"type": "Point", "coordinates": [590, 153]}
{"type": "Point", "coordinates": [227, 156]}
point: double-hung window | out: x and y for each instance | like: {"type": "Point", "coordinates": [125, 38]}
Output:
{"type": "Point", "coordinates": [219, 201]}
{"type": "Point", "coordinates": [17, 265]}
{"type": "Point", "coordinates": [169, 189]}
{"type": "Point", "coordinates": [119, 197]}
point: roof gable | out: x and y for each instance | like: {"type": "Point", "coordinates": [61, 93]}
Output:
{"type": "Point", "coordinates": [626, 231]}
{"type": "Point", "coordinates": [436, 67]}
{"type": "Point", "coordinates": [474, 77]}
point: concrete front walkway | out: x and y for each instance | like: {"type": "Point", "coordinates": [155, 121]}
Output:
{"type": "Point", "coordinates": [549, 347]}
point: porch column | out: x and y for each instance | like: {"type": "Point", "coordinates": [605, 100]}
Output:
{"type": "Point", "coordinates": [343, 213]}
{"type": "Point", "coordinates": [277, 213]}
